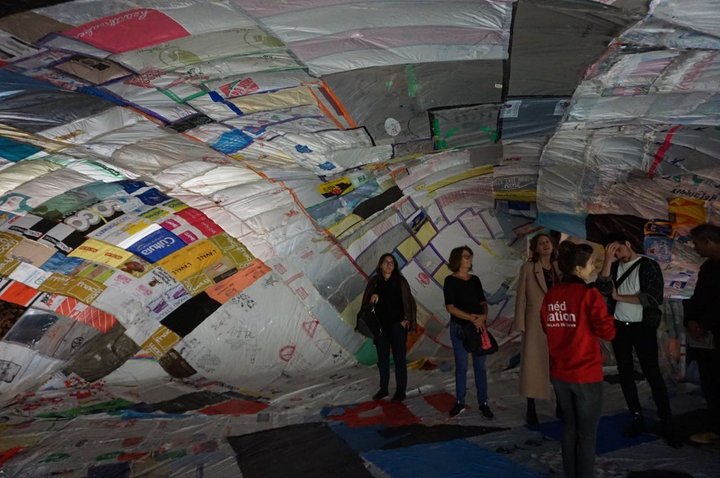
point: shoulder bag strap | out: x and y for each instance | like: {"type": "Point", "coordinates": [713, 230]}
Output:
{"type": "Point", "coordinates": [627, 273]}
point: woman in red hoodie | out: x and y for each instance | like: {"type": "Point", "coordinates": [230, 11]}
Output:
{"type": "Point", "coordinates": [574, 316]}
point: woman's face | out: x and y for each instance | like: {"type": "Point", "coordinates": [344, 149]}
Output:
{"type": "Point", "coordinates": [466, 261]}
{"type": "Point", "coordinates": [387, 265]}
{"type": "Point", "coordinates": [544, 246]}
{"type": "Point", "coordinates": [585, 272]}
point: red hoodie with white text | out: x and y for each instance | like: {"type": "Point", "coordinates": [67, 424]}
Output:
{"type": "Point", "coordinates": [574, 318]}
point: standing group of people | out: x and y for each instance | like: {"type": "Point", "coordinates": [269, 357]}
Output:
{"type": "Point", "coordinates": [389, 293]}
{"type": "Point", "coordinates": [562, 315]}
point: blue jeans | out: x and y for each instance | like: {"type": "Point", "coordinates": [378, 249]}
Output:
{"type": "Point", "coordinates": [394, 336]}
{"type": "Point", "coordinates": [581, 405]}
{"type": "Point", "coordinates": [461, 366]}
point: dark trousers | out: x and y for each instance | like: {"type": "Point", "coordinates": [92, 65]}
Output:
{"type": "Point", "coordinates": [393, 336]}
{"type": "Point", "coordinates": [581, 405]}
{"type": "Point", "coordinates": [708, 364]}
{"type": "Point", "coordinates": [643, 339]}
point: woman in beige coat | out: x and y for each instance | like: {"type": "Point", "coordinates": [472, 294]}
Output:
{"type": "Point", "coordinates": [536, 277]}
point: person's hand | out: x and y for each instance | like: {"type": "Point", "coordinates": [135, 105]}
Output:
{"type": "Point", "coordinates": [615, 294]}
{"type": "Point", "coordinates": [406, 324]}
{"type": "Point", "coordinates": [695, 329]}
{"type": "Point", "coordinates": [479, 321]}
{"type": "Point", "coordinates": [610, 251]}
{"type": "Point", "coordinates": [374, 299]}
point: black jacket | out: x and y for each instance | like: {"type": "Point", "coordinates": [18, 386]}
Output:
{"type": "Point", "coordinates": [409, 305]}
{"type": "Point", "coordinates": [702, 306]}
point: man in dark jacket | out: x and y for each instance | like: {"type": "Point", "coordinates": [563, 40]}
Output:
{"type": "Point", "coordinates": [702, 318]}
{"type": "Point", "coordinates": [633, 285]}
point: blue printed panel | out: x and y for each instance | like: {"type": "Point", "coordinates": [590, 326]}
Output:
{"type": "Point", "coordinates": [15, 151]}
{"type": "Point", "coordinates": [232, 142]}
{"type": "Point", "coordinates": [157, 245]}
{"type": "Point", "coordinates": [609, 437]}
{"type": "Point", "coordinates": [459, 459]}
{"type": "Point", "coordinates": [152, 197]}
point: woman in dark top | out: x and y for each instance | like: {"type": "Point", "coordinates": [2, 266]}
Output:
{"type": "Point", "coordinates": [465, 301]}
{"type": "Point", "coordinates": [390, 292]}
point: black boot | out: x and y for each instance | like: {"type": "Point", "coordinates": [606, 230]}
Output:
{"type": "Point", "coordinates": [636, 427]}
{"type": "Point", "coordinates": [380, 394]}
{"type": "Point", "coordinates": [531, 414]}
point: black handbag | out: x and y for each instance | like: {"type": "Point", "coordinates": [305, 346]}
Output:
{"type": "Point", "coordinates": [488, 344]}
{"type": "Point", "coordinates": [476, 342]}
{"type": "Point", "coordinates": [368, 323]}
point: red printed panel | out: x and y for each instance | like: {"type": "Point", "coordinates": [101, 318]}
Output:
{"type": "Point", "coordinates": [18, 293]}
{"type": "Point", "coordinates": [442, 401]}
{"type": "Point", "coordinates": [243, 87]}
{"type": "Point", "coordinates": [86, 314]}
{"type": "Point", "coordinates": [368, 414]}
{"type": "Point", "coordinates": [97, 319]}
{"type": "Point", "coordinates": [128, 30]}
{"type": "Point", "coordinates": [235, 407]}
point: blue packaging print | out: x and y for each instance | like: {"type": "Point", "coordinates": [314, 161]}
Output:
{"type": "Point", "coordinates": [61, 264]}
{"type": "Point", "coordinates": [303, 148]}
{"type": "Point", "coordinates": [232, 141]}
{"type": "Point", "coordinates": [131, 186]}
{"type": "Point", "coordinates": [658, 227]}
{"type": "Point", "coordinates": [658, 248]}
{"type": "Point", "coordinates": [157, 245]}
{"type": "Point", "coordinates": [327, 166]}
{"type": "Point", "coordinates": [15, 151]}
{"type": "Point", "coordinates": [152, 197]}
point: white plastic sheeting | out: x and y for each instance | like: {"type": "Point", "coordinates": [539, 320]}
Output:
{"type": "Point", "coordinates": [203, 208]}
{"type": "Point", "coordinates": [640, 137]}
{"type": "Point", "coordinates": [341, 36]}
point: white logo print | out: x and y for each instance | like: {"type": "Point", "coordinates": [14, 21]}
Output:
{"type": "Point", "coordinates": [557, 315]}
{"type": "Point", "coordinates": [158, 245]}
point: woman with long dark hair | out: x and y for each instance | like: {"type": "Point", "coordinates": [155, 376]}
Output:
{"type": "Point", "coordinates": [575, 317]}
{"type": "Point", "coordinates": [465, 301]}
{"type": "Point", "coordinates": [394, 305]}
{"type": "Point", "coordinates": [536, 277]}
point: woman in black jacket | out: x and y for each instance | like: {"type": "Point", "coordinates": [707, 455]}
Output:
{"type": "Point", "coordinates": [394, 305]}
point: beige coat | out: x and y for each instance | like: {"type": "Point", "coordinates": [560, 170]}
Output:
{"type": "Point", "coordinates": [534, 361]}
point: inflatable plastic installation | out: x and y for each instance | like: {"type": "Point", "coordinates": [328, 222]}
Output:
{"type": "Point", "coordinates": [195, 192]}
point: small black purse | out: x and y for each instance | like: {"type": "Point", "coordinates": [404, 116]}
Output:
{"type": "Point", "coordinates": [478, 343]}
{"type": "Point", "coordinates": [488, 344]}
{"type": "Point", "coordinates": [368, 323]}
